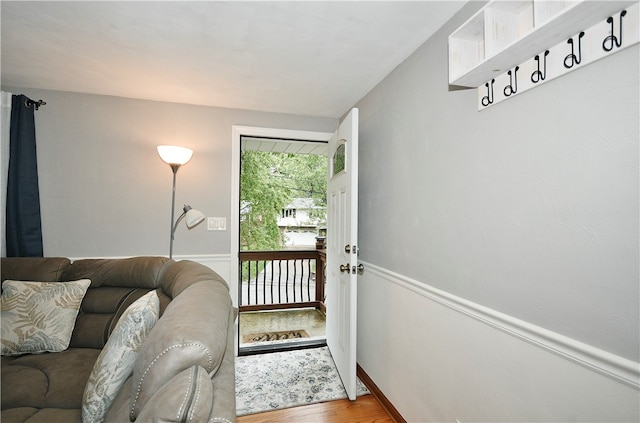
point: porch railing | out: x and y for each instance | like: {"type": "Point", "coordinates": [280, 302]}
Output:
{"type": "Point", "coordinates": [271, 280]}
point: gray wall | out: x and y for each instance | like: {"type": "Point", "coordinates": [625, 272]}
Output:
{"type": "Point", "coordinates": [105, 191]}
{"type": "Point", "coordinates": [529, 207]}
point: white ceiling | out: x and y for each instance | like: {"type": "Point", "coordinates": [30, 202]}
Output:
{"type": "Point", "coordinates": [302, 57]}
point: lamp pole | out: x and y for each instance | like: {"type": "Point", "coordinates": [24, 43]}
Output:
{"type": "Point", "coordinates": [176, 156]}
{"type": "Point", "coordinates": [174, 168]}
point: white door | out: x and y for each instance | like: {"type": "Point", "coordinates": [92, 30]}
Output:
{"type": "Point", "coordinates": [342, 247]}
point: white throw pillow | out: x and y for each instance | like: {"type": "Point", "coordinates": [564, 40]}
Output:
{"type": "Point", "coordinates": [115, 362]}
{"type": "Point", "coordinates": [39, 316]}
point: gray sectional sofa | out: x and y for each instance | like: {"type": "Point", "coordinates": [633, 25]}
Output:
{"type": "Point", "coordinates": [184, 368]}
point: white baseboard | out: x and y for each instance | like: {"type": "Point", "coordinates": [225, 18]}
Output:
{"type": "Point", "coordinates": [603, 362]}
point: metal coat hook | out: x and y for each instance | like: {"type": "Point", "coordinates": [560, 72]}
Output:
{"type": "Point", "coordinates": [539, 75]}
{"type": "Point", "coordinates": [572, 58]}
{"type": "Point", "coordinates": [612, 41]}
{"type": "Point", "coordinates": [488, 99]}
{"type": "Point", "coordinates": [512, 88]}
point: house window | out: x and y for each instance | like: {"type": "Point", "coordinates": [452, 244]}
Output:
{"type": "Point", "coordinates": [289, 213]}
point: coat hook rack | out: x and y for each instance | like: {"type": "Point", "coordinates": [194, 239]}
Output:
{"type": "Point", "coordinates": [519, 45]}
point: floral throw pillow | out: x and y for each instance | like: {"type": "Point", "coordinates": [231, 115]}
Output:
{"type": "Point", "coordinates": [115, 363]}
{"type": "Point", "coordinates": [39, 316]}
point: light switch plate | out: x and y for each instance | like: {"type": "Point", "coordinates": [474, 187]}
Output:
{"type": "Point", "coordinates": [217, 223]}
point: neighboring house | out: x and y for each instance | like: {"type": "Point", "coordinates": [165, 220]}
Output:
{"type": "Point", "coordinates": [297, 224]}
{"type": "Point", "coordinates": [500, 247]}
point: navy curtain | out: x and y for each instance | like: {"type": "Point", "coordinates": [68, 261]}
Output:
{"type": "Point", "coordinates": [24, 227]}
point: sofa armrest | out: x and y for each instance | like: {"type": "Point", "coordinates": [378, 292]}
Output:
{"type": "Point", "coordinates": [224, 381]}
{"type": "Point", "coordinates": [187, 397]}
{"type": "Point", "coordinates": [192, 331]}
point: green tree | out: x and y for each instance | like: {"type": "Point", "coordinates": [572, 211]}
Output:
{"type": "Point", "coordinates": [270, 181]}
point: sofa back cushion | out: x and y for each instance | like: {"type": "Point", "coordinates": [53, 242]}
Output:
{"type": "Point", "coordinates": [100, 311]}
{"type": "Point", "coordinates": [135, 272]}
{"type": "Point", "coordinates": [115, 285]}
{"type": "Point", "coordinates": [47, 269]}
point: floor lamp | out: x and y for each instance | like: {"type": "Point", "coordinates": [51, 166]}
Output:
{"type": "Point", "coordinates": [175, 157]}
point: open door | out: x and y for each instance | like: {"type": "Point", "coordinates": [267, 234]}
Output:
{"type": "Point", "coordinates": [342, 249]}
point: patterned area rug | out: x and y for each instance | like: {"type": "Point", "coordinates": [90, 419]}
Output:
{"type": "Point", "coordinates": [266, 382]}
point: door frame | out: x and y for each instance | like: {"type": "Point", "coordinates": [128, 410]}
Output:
{"type": "Point", "coordinates": [237, 131]}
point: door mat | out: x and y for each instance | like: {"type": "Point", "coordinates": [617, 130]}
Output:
{"type": "Point", "coordinates": [274, 336]}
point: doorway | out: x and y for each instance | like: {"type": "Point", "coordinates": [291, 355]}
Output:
{"type": "Point", "coordinates": [279, 285]}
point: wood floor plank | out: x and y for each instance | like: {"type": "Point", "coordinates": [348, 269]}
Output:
{"type": "Point", "coordinates": [365, 409]}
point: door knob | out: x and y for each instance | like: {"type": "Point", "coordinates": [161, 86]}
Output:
{"type": "Point", "coordinates": [360, 269]}
{"type": "Point", "coordinates": [345, 268]}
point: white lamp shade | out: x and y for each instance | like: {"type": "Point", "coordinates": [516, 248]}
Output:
{"type": "Point", "coordinates": [193, 218]}
{"type": "Point", "coordinates": [172, 154]}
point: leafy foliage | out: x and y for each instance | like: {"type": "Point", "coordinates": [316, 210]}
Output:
{"type": "Point", "coordinates": [268, 183]}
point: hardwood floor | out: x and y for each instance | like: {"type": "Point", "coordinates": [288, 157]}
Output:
{"type": "Point", "coordinates": [365, 409]}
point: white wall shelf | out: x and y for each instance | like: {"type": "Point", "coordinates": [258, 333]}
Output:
{"type": "Point", "coordinates": [505, 33]}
